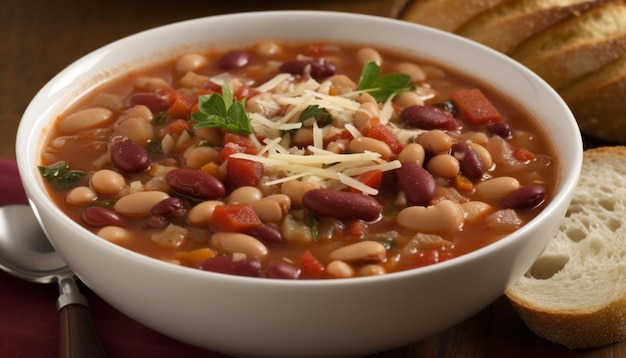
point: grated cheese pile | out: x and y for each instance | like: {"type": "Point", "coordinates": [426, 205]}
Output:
{"type": "Point", "coordinates": [315, 162]}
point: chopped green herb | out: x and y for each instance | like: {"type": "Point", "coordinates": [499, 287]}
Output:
{"type": "Point", "coordinates": [311, 222]}
{"type": "Point", "coordinates": [161, 117]}
{"type": "Point", "coordinates": [221, 111]}
{"type": "Point", "coordinates": [321, 115]}
{"type": "Point", "coordinates": [60, 175]}
{"type": "Point", "coordinates": [155, 147]}
{"type": "Point", "coordinates": [381, 88]}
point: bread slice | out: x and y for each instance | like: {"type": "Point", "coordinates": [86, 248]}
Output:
{"type": "Point", "coordinates": [598, 101]}
{"type": "Point", "coordinates": [575, 293]}
{"type": "Point", "coordinates": [576, 46]}
{"type": "Point", "coordinates": [504, 27]}
{"type": "Point", "coordinates": [447, 15]}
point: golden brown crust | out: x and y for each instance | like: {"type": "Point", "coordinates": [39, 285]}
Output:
{"type": "Point", "coordinates": [575, 329]}
{"type": "Point", "coordinates": [504, 27]}
{"type": "Point", "coordinates": [577, 46]}
{"type": "Point", "coordinates": [598, 103]}
{"type": "Point", "coordinates": [447, 15]}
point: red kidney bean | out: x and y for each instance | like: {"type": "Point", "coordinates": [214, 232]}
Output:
{"type": "Point", "coordinates": [318, 68]}
{"type": "Point", "coordinates": [427, 117]}
{"type": "Point", "coordinates": [341, 205]}
{"type": "Point", "coordinates": [99, 217]}
{"type": "Point", "coordinates": [525, 197]}
{"type": "Point", "coordinates": [195, 184]}
{"type": "Point", "coordinates": [168, 208]}
{"type": "Point", "coordinates": [155, 103]}
{"type": "Point", "coordinates": [234, 59]}
{"type": "Point", "coordinates": [129, 157]}
{"type": "Point", "coordinates": [250, 267]}
{"type": "Point", "coordinates": [501, 129]}
{"type": "Point", "coordinates": [283, 270]}
{"type": "Point", "coordinates": [417, 184]}
{"type": "Point", "coordinates": [267, 234]}
{"type": "Point", "coordinates": [469, 162]}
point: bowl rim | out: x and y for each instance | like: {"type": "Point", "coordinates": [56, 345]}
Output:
{"type": "Point", "coordinates": [38, 197]}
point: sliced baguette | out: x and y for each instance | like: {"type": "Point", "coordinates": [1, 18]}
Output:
{"type": "Point", "coordinates": [447, 15]}
{"type": "Point", "coordinates": [598, 101]}
{"type": "Point", "coordinates": [575, 293]}
{"type": "Point", "coordinates": [504, 27]}
{"type": "Point", "coordinates": [576, 46]}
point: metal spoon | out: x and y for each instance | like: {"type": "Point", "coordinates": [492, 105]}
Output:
{"type": "Point", "coordinates": [25, 252]}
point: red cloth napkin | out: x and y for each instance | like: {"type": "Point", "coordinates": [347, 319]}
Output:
{"type": "Point", "coordinates": [28, 322]}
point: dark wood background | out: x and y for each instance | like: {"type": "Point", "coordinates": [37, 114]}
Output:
{"type": "Point", "coordinates": [39, 38]}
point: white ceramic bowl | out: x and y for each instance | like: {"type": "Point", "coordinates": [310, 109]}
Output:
{"type": "Point", "coordinates": [254, 317]}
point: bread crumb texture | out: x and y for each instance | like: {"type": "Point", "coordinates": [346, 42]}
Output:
{"type": "Point", "coordinates": [575, 293]}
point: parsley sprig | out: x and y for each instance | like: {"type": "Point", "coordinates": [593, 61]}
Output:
{"type": "Point", "coordinates": [381, 88]}
{"type": "Point", "coordinates": [222, 111]}
{"type": "Point", "coordinates": [60, 175]}
{"type": "Point", "coordinates": [319, 114]}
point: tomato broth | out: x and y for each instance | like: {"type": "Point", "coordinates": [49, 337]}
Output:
{"type": "Point", "coordinates": [299, 161]}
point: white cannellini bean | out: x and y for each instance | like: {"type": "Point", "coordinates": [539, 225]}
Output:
{"type": "Point", "coordinates": [85, 119]}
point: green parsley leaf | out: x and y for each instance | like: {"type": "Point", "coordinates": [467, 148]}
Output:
{"type": "Point", "coordinates": [60, 175]}
{"type": "Point", "coordinates": [381, 88]}
{"type": "Point", "coordinates": [222, 111]}
{"type": "Point", "coordinates": [321, 115]}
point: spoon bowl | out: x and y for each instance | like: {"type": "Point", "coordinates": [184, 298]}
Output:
{"type": "Point", "coordinates": [26, 253]}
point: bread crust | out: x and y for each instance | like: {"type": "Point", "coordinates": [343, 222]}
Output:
{"type": "Point", "coordinates": [577, 46]}
{"type": "Point", "coordinates": [447, 15]}
{"type": "Point", "coordinates": [575, 294]}
{"type": "Point", "coordinates": [504, 27]}
{"type": "Point", "coordinates": [597, 101]}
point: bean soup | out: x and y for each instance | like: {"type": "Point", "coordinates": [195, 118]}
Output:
{"type": "Point", "coordinates": [299, 161]}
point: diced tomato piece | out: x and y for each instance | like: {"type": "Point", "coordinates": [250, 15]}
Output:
{"type": "Point", "coordinates": [228, 150]}
{"type": "Point", "coordinates": [310, 265]}
{"type": "Point", "coordinates": [243, 172]}
{"type": "Point", "coordinates": [522, 154]}
{"type": "Point", "coordinates": [242, 141]}
{"type": "Point", "coordinates": [383, 133]}
{"type": "Point", "coordinates": [475, 107]}
{"type": "Point", "coordinates": [355, 230]}
{"type": "Point", "coordinates": [235, 217]}
{"type": "Point", "coordinates": [371, 178]}
{"type": "Point", "coordinates": [243, 92]}
{"type": "Point", "coordinates": [177, 127]}
{"type": "Point", "coordinates": [181, 108]}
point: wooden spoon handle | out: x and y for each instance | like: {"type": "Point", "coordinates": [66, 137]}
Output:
{"type": "Point", "coordinates": [78, 337]}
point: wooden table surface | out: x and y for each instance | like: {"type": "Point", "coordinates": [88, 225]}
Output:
{"type": "Point", "coordinates": [39, 38]}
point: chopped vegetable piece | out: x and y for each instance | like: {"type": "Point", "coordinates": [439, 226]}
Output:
{"type": "Point", "coordinates": [371, 178]}
{"type": "Point", "coordinates": [195, 257]}
{"type": "Point", "coordinates": [522, 154]}
{"type": "Point", "coordinates": [181, 108]}
{"type": "Point", "coordinates": [235, 217]}
{"type": "Point", "coordinates": [310, 265]}
{"type": "Point", "coordinates": [383, 133]}
{"type": "Point", "coordinates": [243, 172]}
{"type": "Point", "coordinates": [475, 107]}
